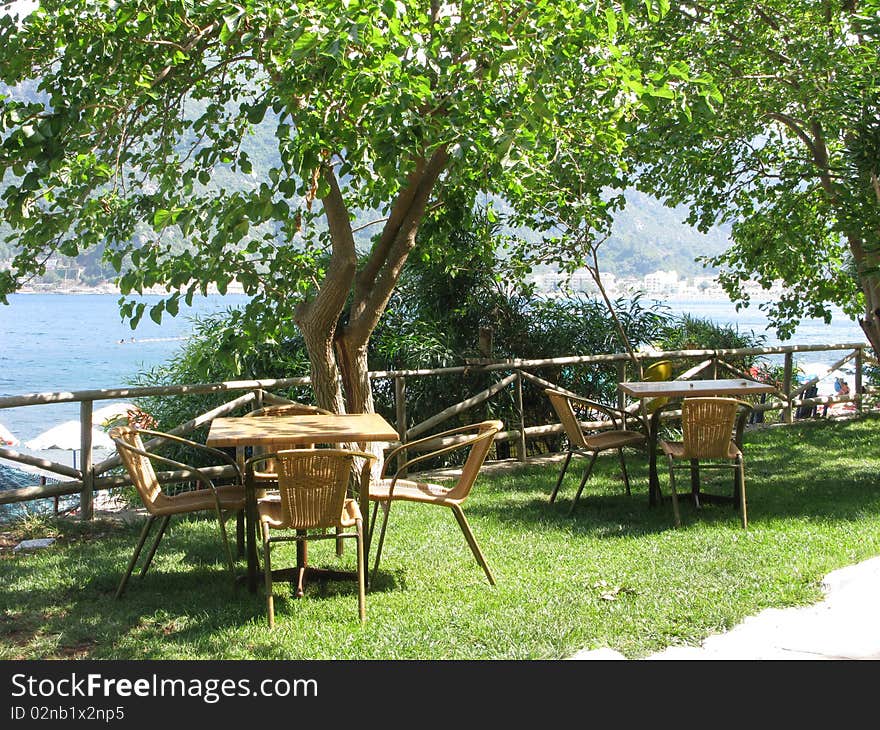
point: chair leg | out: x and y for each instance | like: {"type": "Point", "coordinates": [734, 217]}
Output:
{"type": "Point", "coordinates": [162, 526]}
{"type": "Point", "coordinates": [340, 546]}
{"type": "Point", "coordinates": [561, 475]}
{"type": "Point", "coordinates": [587, 473]}
{"type": "Point", "coordinates": [623, 469]}
{"type": "Point", "coordinates": [267, 575]}
{"type": "Point", "coordinates": [742, 491]}
{"type": "Point", "coordinates": [386, 507]}
{"type": "Point", "coordinates": [301, 561]}
{"type": "Point", "coordinates": [371, 522]}
{"type": "Point", "coordinates": [472, 541]}
{"type": "Point", "coordinates": [362, 588]}
{"type": "Point", "coordinates": [674, 493]}
{"type": "Point", "coordinates": [227, 547]}
{"type": "Point", "coordinates": [695, 481]}
{"type": "Point", "coordinates": [137, 551]}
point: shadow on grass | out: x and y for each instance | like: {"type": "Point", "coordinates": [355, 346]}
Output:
{"type": "Point", "coordinates": [64, 600]}
{"type": "Point", "coordinates": [816, 470]}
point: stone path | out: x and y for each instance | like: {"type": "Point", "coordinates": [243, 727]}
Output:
{"type": "Point", "coordinates": [845, 625]}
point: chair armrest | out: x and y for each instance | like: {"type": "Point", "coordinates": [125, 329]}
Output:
{"type": "Point", "coordinates": [180, 466]}
{"type": "Point", "coordinates": [619, 416]}
{"type": "Point", "coordinates": [438, 452]}
{"type": "Point", "coordinates": [196, 445]}
{"type": "Point", "coordinates": [409, 444]}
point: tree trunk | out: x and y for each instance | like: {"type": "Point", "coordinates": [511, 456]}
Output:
{"type": "Point", "coordinates": [322, 361]}
{"type": "Point", "coordinates": [352, 359]}
{"type": "Point", "coordinates": [868, 263]}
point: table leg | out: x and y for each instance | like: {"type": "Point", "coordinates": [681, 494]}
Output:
{"type": "Point", "coordinates": [653, 479]}
{"type": "Point", "coordinates": [364, 504]}
{"type": "Point", "coordinates": [250, 500]}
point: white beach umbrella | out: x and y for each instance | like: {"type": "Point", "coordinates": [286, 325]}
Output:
{"type": "Point", "coordinates": [67, 436]}
{"type": "Point", "coordinates": [114, 410]}
{"type": "Point", "coordinates": [6, 437]}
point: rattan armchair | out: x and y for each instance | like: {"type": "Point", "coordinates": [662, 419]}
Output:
{"type": "Point", "coordinates": [479, 438]}
{"type": "Point", "coordinates": [615, 438]}
{"type": "Point", "coordinates": [708, 435]}
{"type": "Point", "coordinates": [312, 485]}
{"type": "Point", "coordinates": [159, 505]}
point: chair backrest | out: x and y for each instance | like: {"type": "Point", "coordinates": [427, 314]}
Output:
{"type": "Point", "coordinates": [313, 485]}
{"type": "Point", "coordinates": [566, 415]}
{"type": "Point", "coordinates": [285, 409]}
{"type": "Point", "coordinates": [480, 444]}
{"type": "Point", "coordinates": [140, 468]}
{"type": "Point", "coordinates": [707, 426]}
{"type": "Point", "coordinates": [288, 409]}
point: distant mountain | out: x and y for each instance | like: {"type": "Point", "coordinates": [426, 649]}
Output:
{"type": "Point", "coordinates": [648, 236]}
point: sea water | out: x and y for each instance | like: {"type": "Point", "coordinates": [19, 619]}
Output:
{"type": "Point", "coordinates": [67, 342]}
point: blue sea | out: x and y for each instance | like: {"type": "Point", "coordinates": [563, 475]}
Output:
{"type": "Point", "coordinates": [65, 342]}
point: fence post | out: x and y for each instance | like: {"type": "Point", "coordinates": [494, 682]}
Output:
{"type": "Point", "coordinates": [715, 366]}
{"type": "Point", "coordinates": [859, 395]}
{"type": "Point", "coordinates": [258, 399]}
{"type": "Point", "coordinates": [86, 498]}
{"type": "Point", "coordinates": [786, 387]}
{"type": "Point", "coordinates": [521, 443]}
{"type": "Point", "coordinates": [621, 378]}
{"type": "Point", "coordinates": [400, 415]}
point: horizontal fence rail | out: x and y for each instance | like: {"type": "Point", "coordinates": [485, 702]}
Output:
{"type": "Point", "coordinates": [710, 363]}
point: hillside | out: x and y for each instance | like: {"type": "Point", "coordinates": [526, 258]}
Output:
{"type": "Point", "coordinates": [647, 235]}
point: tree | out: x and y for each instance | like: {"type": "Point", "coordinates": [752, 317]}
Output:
{"type": "Point", "coordinates": [375, 106]}
{"type": "Point", "coordinates": [787, 155]}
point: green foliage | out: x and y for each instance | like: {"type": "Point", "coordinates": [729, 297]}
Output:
{"type": "Point", "coordinates": [135, 126]}
{"type": "Point", "coordinates": [687, 332]}
{"type": "Point", "coordinates": [783, 154]}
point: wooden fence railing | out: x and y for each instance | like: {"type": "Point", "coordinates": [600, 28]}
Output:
{"type": "Point", "coordinates": [256, 393]}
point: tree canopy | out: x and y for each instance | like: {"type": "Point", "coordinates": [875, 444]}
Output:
{"type": "Point", "coordinates": [789, 154]}
{"type": "Point", "coordinates": [372, 105]}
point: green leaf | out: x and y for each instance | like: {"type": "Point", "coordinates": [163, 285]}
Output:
{"type": "Point", "coordinates": [662, 92]}
{"type": "Point", "coordinates": [611, 22]}
{"type": "Point", "coordinates": [161, 218]}
{"type": "Point", "coordinates": [156, 311]}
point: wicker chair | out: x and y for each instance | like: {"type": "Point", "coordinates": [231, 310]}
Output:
{"type": "Point", "coordinates": [708, 434]}
{"type": "Point", "coordinates": [615, 438]}
{"type": "Point", "coordinates": [139, 463]}
{"type": "Point", "coordinates": [478, 438]}
{"type": "Point", "coordinates": [268, 471]}
{"type": "Point", "coordinates": [312, 486]}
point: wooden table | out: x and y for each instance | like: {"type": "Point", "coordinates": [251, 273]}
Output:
{"type": "Point", "coordinates": [736, 387]}
{"type": "Point", "coordinates": [269, 431]}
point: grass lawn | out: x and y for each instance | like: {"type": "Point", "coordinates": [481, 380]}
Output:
{"type": "Point", "coordinates": [616, 574]}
